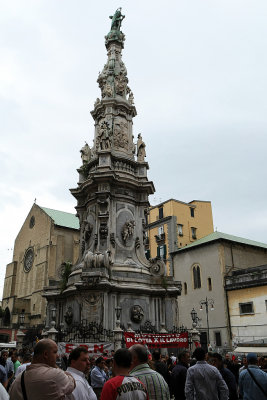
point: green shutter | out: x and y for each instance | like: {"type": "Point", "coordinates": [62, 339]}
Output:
{"type": "Point", "coordinates": [158, 252]}
{"type": "Point", "coordinates": [164, 252]}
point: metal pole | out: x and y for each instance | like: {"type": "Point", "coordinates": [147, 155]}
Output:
{"type": "Point", "coordinates": [207, 312]}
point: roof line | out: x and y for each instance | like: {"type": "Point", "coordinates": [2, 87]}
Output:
{"type": "Point", "coordinates": [216, 236]}
{"type": "Point", "coordinates": [179, 201]}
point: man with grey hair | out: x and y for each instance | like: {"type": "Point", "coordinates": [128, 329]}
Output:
{"type": "Point", "coordinates": [42, 379]}
{"type": "Point", "coordinates": [154, 382]}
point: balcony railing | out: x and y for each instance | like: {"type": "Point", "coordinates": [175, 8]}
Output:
{"type": "Point", "coordinates": [160, 238]}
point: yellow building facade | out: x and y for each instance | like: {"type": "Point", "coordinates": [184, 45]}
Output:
{"type": "Point", "coordinates": [174, 224]}
{"type": "Point", "coordinates": [247, 303]}
{"type": "Point", "coordinates": [47, 239]}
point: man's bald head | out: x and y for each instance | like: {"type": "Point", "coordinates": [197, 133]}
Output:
{"type": "Point", "coordinates": [45, 352]}
{"type": "Point", "coordinates": [42, 346]}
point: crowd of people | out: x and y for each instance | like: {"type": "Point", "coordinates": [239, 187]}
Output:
{"type": "Point", "coordinates": [129, 374]}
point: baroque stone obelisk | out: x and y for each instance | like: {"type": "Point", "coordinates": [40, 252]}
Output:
{"type": "Point", "coordinates": [112, 201]}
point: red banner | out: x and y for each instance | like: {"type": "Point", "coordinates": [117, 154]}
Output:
{"type": "Point", "coordinates": [95, 349]}
{"type": "Point", "coordinates": [157, 340]}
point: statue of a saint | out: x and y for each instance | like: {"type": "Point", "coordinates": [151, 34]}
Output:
{"type": "Point", "coordinates": [116, 20]}
{"type": "Point", "coordinates": [131, 98]}
{"type": "Point", "coordinates": [85, 153]}
{"type": "Point", "coordinates": [141, 148]}
{"type": "Point", "coordinates": [104, 135]}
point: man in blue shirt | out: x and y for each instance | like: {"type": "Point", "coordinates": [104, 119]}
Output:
{"type": "Point", "coordinates": [98, 376]}
{"type": "Point", "coordinates": [250, 388]}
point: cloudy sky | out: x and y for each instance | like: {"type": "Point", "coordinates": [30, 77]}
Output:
{"type": "Point", "coordinates": [197, 69]}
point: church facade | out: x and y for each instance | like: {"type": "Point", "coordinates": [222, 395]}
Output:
{"type": "Point", "coordinates": [47, 239]}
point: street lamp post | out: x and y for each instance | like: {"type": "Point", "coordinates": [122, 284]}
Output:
{"type": "Point", "coordinates": [207, 302]}
{"type": "Point", "coordinates": [194, 315]}
{"type": "Point", "coordinates": [53, 313]}
{"type": "Point", "coordinates": [21, 320]}
{"type": "Point", "coordinates": [20, 333]}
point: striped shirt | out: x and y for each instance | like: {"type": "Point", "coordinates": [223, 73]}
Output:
{"type": "Point", "coordinates": [155, 383]}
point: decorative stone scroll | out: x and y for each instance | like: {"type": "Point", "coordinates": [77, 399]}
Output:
{"type": "Point", "coordinates": [157, 267]}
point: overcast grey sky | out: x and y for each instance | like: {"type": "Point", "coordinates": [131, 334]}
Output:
{"type": "Point", "coordinates": [197, 69]}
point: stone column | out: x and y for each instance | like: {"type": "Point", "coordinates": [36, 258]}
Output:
{"type": "Point", "coordinates": [118, 332]}
{"type": "Point", "coordinates": [163, 350]}
{"type": "Point", "coordinates": [20, 337]}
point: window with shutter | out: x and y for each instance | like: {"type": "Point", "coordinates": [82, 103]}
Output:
{"type": "Point", "coordinates": [246, 308]}
{"type": "Point", "coordinates": [209, 284]}
{"type": "Point", "coordinates": [147, 253]}
{"type": "Point", "coordinates": [185, 288]}
{"type": "Point", "coordinates": [180, 229]}
{"type": "Point", "coordinates": [196, 277]}
{"type": "Point", "coordinates": [218, 339]}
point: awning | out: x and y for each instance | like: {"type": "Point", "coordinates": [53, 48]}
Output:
{"type": "Point", "coordinates": [8, 345]}
{"type": "Point", "coordinates": [252, 349]}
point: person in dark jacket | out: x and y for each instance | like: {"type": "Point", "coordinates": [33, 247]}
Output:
{"type": "Point", "coordinates": [227, 375]}
{"type": "Point", "coordinates": [178, 375]}
{"type": "Point", "coordinates": [160, 366]}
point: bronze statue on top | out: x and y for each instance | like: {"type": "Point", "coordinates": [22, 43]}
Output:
{"type": "Point", "coordinates": [116, 20]}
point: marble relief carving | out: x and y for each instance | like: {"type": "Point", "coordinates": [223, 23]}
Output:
{"type": "Point", "coordinates": [120, 133]}
{"type": "Point", "coordinates": [136, 313]}
{"type": "Point", "coordinates": [127, 230]}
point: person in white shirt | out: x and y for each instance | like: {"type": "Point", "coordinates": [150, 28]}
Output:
{"type": "Point", "coordinates": [79, 364]}
{"type": "Point", "coordinates": [3, 393]}
{"type": "Point", "coordinates": [26, 360]}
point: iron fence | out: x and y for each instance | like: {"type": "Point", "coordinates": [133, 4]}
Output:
{"type": "Point", "coordinates": [85, 332]}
